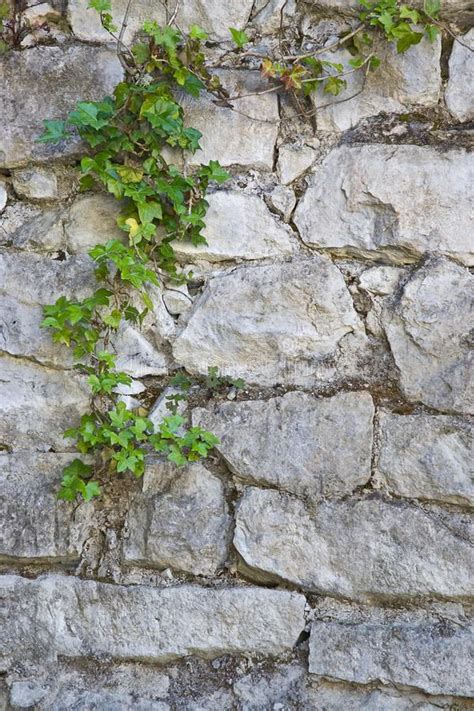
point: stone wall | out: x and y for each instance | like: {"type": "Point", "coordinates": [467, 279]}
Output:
{"type": "Point", "coordinates": [321, 558]}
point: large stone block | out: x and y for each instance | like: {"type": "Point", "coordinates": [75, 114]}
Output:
{"type": "Point", "coordinates": [271, 324]}
{"type": "Point", "coordinates": [26, 226]}
{"type": "Point", "coordinates": [55, 616]}
{"type": "Point", "coordinates": [354, 549]}
{"type": "Point", "coordinates": [426, 457]}
{"type": "Point", "coordinates": [238, 226]}
{"type": "Point", "coordinates": [401, 82]}
{"type": "Point", "coordinates": [428, 331]}
{"type": "Point", "coordinates": [91, 220]}
{"type": "Point", "coordinates": [212, 15]}
{"type": "Point", "coordinates": [396, 200]}
{"type": "Point", "coordinates": [244, 136]}
{"type": "Point", "coordinates": [46, 83]}
{"type": "Point", "coordinates": [288, 441]}
{"type": "Point", "coordinates": [460, 92]}
{"type": "Point", "coordinates": [430, 650]}
{"type": "Point", "coordinates": [37, 404]}
{"type": "Point", "coordinates": [180, 520]}
{"type": "Point", "coordinates": [35, 524]}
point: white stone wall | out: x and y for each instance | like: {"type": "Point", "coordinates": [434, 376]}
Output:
{"type": "Point", "coordinates": [322, 557]}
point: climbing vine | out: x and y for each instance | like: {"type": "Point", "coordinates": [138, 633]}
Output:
{"type": "Point", "coordinates": [129, 135]}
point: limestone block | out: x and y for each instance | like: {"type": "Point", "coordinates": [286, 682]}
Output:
{"type": "Point", "coordinates": [269, 15]}
{"type": "Point", "coordinates": [45, 83]}
{"type": "Point", "coordinates": [427, 457]}
{"type": "Point", "coordinates": [293, 161]}
{"type": "Point", "coordinates": [283, 200]}
{"type": "Point", "coordinates": [179, 521]}
{"type": "Point", "coordinates": [26, 226]}
{"type": "Point", "coordinates": [401, 81]}
{"type": "Point", "coordinates": [37, 404]}
{"type": "Point", "coordinates": [238, 226]}
{"type": "Point", "coordinates": [270, 324]}
{"type": "Point", "coordinates": [370, 212]}
{"type": "Point", "coordinates": [35, 524]}
{"type": "Point", "coordinates": [3, 196]}
{"type": "Point", "coordinates": [288, 442]}
{"type": "Point", "coordinates": [428, 331]}
{"type": "Point", "coordinates": [91, 220]}
{"type": "Point", "coordinates": [460, 93]}
{"type": "Point", "coordinates": [38, 183]}
{"type": "Point", "coordinates": [212, 15]}
{"type": "Point", "coordinates": [354, 549]}
{"type": "Point", "coordinates": [245, 137]}
{"type": "Point", "coordinates": [65, 616]}
{"type": "Point", "coordinates": [430, 650]}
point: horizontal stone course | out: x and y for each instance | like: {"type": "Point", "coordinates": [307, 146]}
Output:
{"type": "Point", "coordinates": [55, 616]}
{"type": "Point", "coordinates": [401, 200]}
{"type": "Point", "coordinates": [430, 650]}
{"type": "Point", "coordinates": [426, 457]}
{"type": "Point", "coordinates": [35, 524]}
{"type": "Point", "coordinates": [288, 442]}
{"type": "Point", "coordinates": [356, 549]}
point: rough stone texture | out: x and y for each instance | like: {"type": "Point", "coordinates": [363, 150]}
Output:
{"type": "Point", "coordinates": [459, 92]}
{"type": "Point", "coordinates": [73, 74]}
{"type": "Point", "coordinates": [239, 226]}
{"type": "Point", "coordinates": [3, 196]}
{"type": "Point", "coordinates": [288, 442]}
{"type": "Point", "coordinates": [369, 209]}
{"type": "Point", "coordinates": [68, 617]}
{"type": "Point", "coordinates": [270, 324]}
{"type": "Point", "coordinates": [400, 82]}
{"type": "Point", "coordinates": [428, 330]}
{"type": "Point", "coordinates": [35, 525]}
{"type": "Point", "coordinates": [180, 520]}
{"type": "Point", "coordinates": [26, 226]}
{"type": "Point", "coordinates": [39, 183]}
{"type": "Point", "coordinates": [37, 404]}
{"type": "Point", "coordinates": [429, 650]}
{"type": "Point", "coordinates": [244, 137]}
{"type": "Point", "coordinates": [427, 457]}
{"type": "Point", "coordinates": [91, 220]}
{"type": "Point", "coordinates": [213, 16]}
{"type": "Point", "coordinates": [355, 549]}
{"type": "Point", "coordinates": [293, 161]}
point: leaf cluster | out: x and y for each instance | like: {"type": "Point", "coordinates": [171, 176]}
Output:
{"type": "Point", "coordinates": [400, 23]}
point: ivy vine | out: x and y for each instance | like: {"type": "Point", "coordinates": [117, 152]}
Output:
{"type": "Point", "coordinates": [126, 135]}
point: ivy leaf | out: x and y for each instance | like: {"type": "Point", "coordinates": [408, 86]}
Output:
{"type": "Point", "coordinates": [406, 37]}
{"type": "Point", "coordinates": [100, 5]}
{"type": "Point", "coordinates": [54, 131]}
{"type": "Point", "coordinates": [432, 7]}
{"type": "Point", "coordinates": [334, 85]}
{"type": "Point", "coordinates": [141, 52]}
{"type": "Point", "coordinates": [149, 211]}
{"type": "Point", "coordinates": [431, 32]}
{"type": "Point", "coordinates": [129, 174]}
{"type": "Point", "coordinates": [409, 14]}
{"type": "Point", "coordinates": [239, 36]}
{"type": "Point", "coordinates": [197, 33]}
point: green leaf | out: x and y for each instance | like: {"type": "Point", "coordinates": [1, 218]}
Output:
{"type": "Point", "coordinates": [100, 5]}
{"type": "Point", "coordinates": [431, 32]}
{"type": "Point", "coordinates": [432, 7]}
{"type": "Point", "coordinates": [197, 33]}
{"type": "Point", "coordinates": [409, 14]}
{"type": "Point", "coordinates": [334, 85]}
{"type": "Point", "coordinates": [54, 132]}
{"type": "Point", "coordinates": [406, 37]}
{"type": "Point", "coordinates": [239, 36]}
{"type": "Point", "coordinates": [141, 52]}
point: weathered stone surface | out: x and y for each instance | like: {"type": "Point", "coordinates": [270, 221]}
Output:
{"type": "Point", "coordinates": [3, 196]}
{"type": "Point", "coordinates": [288, 442]}
{"type": "Point", "coordinates": [458, 10]}
{"type": "Point", "coordinates": [37, 404]}
{"type": "Point", "coordinates": [283, 200]}
{"type": "Point", "coordinates": [428, 331]}
{"type": "Point", "coordinates": [179, 521]}
{"type": "Point", "coordinates": [459, 92]}
{"type": "Point", "coordinates": [27, 282]}
{"type": "Point", "coordinates": [427, 457]}
{"type": "Point", "coordinates": [380, 280]}
{"type": "Point", "coordinates": [26, 226]}
{"type": "Point", "coordinates": [355, 549]}
{"type": "Point", "coordinates": [238, 226]}
{"type": "Point", "coordinates": [369, 210]}
{"type": "Point", "coordinates": [91, 220]}
{"type": "Point", "coordinates": [40, 183]}
{"type": "Point", "coordinates": [212, 15]}
{"type": "Point", "coordinates": [430, 650]}
{"type": "Point", "coordinates": [270, 15]}
{"type": "Point", "coordinates": [270, 324]}
{"type": "Point", "coordinates": [402, 81]}
{"type": "Point", "coordinates": [45, 83]}
{"type": "Point", "coordinates": [35, 524]}
{"type": "Point", "coordinates": [244, 137]}
{"type": "Point", "coordinates": [64, 616]}
{"type": "Point", "coordinates": [138, 352]}
{"type": "Point", "coordinates": [293, 161]}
